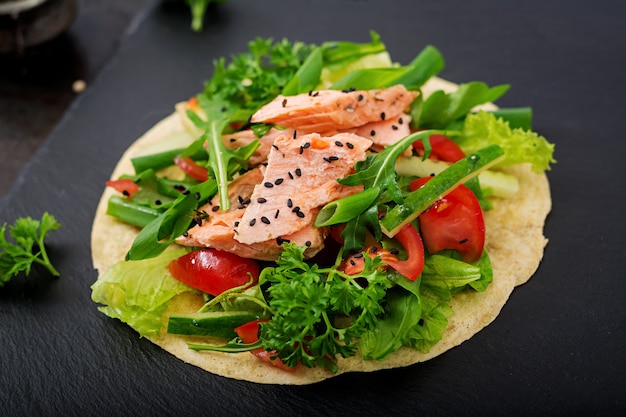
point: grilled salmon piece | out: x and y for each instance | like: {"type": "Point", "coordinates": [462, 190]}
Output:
{"type": "Point", "coordinates": [385, 132]}
{"type": "Point", "coordinates": [332, 110]}
{"type": "Point", "coordinates": [301, 176]}
{"type": "Point", "coordinates": [218, 232]}
{"type": "Point", "coordinates": [245, 137]}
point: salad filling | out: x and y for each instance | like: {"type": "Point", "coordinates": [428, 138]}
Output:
{"type": "Point", "coordinates": [318, 209]}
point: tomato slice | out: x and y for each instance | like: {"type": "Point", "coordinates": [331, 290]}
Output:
{"type": "Point", "coordinates": [125, 186]}
{"type": "Point", "coordinates": [214, 271]}
{"type": "Point", "coordinates": [454, 222]}
{"type": "Point", "coordinates": [411, 241]}
{"type": "Point", "coordinates": [192, 169]}
{"type": "Point", "coordinates": [249, 333]}
{"type": "Point", "coordinates": [443, 148]}
{"type": "Point", "coordinates": [411, 268]}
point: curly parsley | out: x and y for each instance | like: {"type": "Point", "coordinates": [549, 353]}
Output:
{"type": "Point", "coordinates": [28, 249]}
{"type": "Point", "coordinates": [319, 313]}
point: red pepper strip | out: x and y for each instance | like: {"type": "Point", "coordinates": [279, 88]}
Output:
{"type": "Point", "coordinates": [192, 169]}
{"type": "Point", "coordinates": [443, 148]}
{"type": "Point", "coordinates": [411, 268]}
{"type": "Point", "coordinates": [249, 333]}
{"type": "Point", "coordinates": [124, 186]}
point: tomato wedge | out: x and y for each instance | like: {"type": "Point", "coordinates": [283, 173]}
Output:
{"type": "Point", "coordinates": [125, 186]}
{"type": "Point", "coordinates": [411, 268]}
{"type": "Point", "coordinates": [249, 333]}
{"type": "Point", "coordinates": [214, 271]}
{"type": "Point", "coordinates": [443, 148]}
{"type": "Point", "coordinates": [454, 222]}
{"type": "Point", "coordinates": [192, 169]}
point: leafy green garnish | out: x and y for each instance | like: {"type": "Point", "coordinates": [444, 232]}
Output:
{"type": "Point", "coordinates": [29, 247]}
{"type": "Point", "coordinates": [198, 10]}
{"type": "Point", "coordinates": [440, 109]}
{"type": "Point", "coordinates": [520, 146]}
{"type": "Point", "coordinates": [306, 300]}
{"type": "Point", "coordinates": [137, 292]}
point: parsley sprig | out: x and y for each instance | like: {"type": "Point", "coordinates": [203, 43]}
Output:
{"type": "Point", "coordinates": [29, 235]}
{"type": "Point", "coordinates": [319, 313]}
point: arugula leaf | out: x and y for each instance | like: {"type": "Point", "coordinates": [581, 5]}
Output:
{"type": "Point", "coordinates": [29, 247]}
{"type": "Point", "coordinates": [440, 109]}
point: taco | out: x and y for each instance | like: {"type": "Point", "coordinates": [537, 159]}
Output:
{"type": "Point", "coordinates": [447, 303]}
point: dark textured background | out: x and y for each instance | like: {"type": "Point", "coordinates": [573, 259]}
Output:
{"type": "Point", "coordinates": [557, 348]}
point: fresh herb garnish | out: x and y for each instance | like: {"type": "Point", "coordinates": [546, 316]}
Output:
{"type": "Point", "coordinates": [29, 235]}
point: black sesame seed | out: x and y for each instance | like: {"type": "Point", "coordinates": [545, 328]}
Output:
{"type": "Point", "coordinates": [349, 145]}
{"type": "Point", "coordinates": [268, 184]}
{"type": "Point", "coordinates": [185, 234]}
{"type": "Point", "coordinates": [233, 140]}
{"type": "Point", "coordinates": [315, 94]}
{"type": "Point", "coordinates": [372, 132]}
{"type": "Point", "coordinates": [358, 255]}
{"type": "Point", "coordinates": [236, 224]}
{"type": "Point", "coordinates": [265, 220]}
{"type": "Point", "coordinates": [289, 203]}
{"type": "Point", "coordinates": [295, 132]}
{"type": "Point", "coordinates": [126, 193]}
{"type": "Point", "coordinates": [394, 251]}
{"type": "Point", "coordinates": [360, 97]}
{"type": "Point", "coordinates": [157, 202]}
{"type": "Point", "coordinates": [298, 172]}
{"type": "Point", "coordinates": [277, 212]}
{"type": "Point", "coordinates": [400, 121]}
{"type": "Point", "coordinates": [215, 208]}
{"type": "Point", "coordinates": [338, 143]}
{"type": "Point", "coordinates": [374, 249]}
{"type": "Point", "coordinates": [352, 262]}
{"type": "Point", "coordinates": [246, 202]}
{"type": "Point", "coordinates": [197, 196]}
{"type": "Point", "coordinates": [252, 222]}
{"type": "Point", "coordinates": [261, 200]}
{"type": "Point", "coordinates": [382, 116]}
{"type": "Point", "coordinates": [300, 214]}
{"type": "Point", "coordinates": [290, 175]}
{"type": "Point", "coordinates": [186, 192]}
{"type": "Point", "coordinates": [284, 102]}
{"type": "Point", "coordinates": [307, 145]}
{"type": "Point", "coordinates": [394, 127]}
{"type": "Point", "coordinates": [274, 146]}
{"type": "Point", "coordinates": [463, 241]}
{"type": "Point", "coordinates": [307, 243]}
{"type": "Point", "coordinates": [278, 181]}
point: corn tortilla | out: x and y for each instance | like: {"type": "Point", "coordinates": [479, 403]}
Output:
{"type": "Point", "coordinates": [514, 241]}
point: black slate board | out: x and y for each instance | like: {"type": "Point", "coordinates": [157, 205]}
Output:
{"type": "Point", "coordinates": [556, 349]}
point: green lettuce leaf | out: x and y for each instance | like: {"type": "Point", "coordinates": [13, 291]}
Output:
{"type": "Point", "coordinates": [137, 292]}
{"type": "Point", "coordinates": [520, 146]}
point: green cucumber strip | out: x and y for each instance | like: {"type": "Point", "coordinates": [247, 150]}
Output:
{"type": "Point", "coordinates": [419, 200]}
{"type": "Point", "coordinates": [213, 323]}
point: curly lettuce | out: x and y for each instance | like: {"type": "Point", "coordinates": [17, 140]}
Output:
{"type": "Point", "coordinates": [520, 146]}
{"type": "Point", "coordinates": [137, 292]}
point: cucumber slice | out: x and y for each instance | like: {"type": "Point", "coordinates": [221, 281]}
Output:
{"type": "Point", "coordinates": [213, 323]}
{"type": "Point", "coordinates": [419, 200]}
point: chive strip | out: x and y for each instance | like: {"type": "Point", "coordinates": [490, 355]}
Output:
{"type": "Point", "coordinates": [518, 117]}
{"type": "Point", "coordinates": [164, 159]}
{"type": "Point", "coordinates": [346, 209]}
{"type": "Point", "coordinates": [129, 212]}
